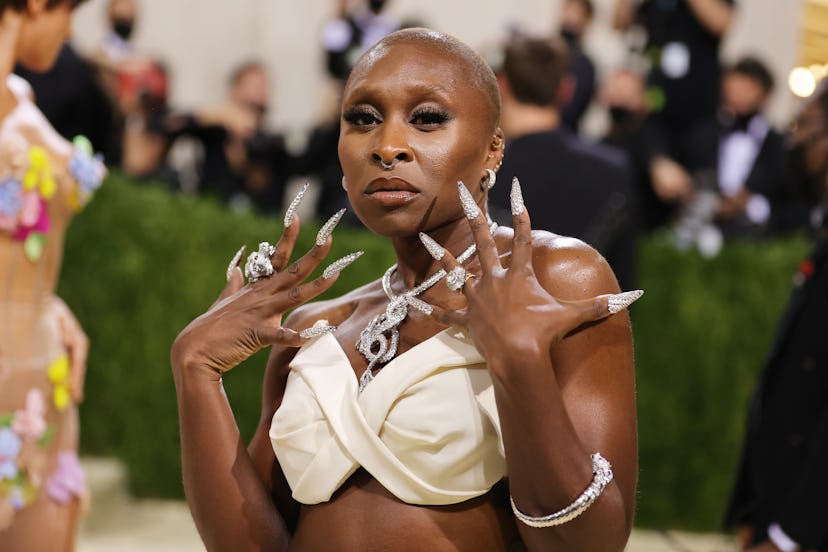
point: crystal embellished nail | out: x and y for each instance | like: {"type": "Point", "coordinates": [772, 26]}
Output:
{"type": "Point", "coordinates": [516, 198]}
{"type": "Point", "coordinates": [337, 266]}
{"type": "Point", "coordinates": [620, 301]}
{"type": "Point", "coordinates": [235, 261]}
{"type": "Point", "coordinates": [470, 207]}
{"type": "Point", "coordinates": [290, 214]}
{"type": "Point", "coordinates": [435, 249]}
{"type": "Point", "coordinates": [316, 331]}
{"type": "Point", "coordinates": [328, 228]}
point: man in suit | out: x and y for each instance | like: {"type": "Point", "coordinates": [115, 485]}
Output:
{"type": "Point", "coordinates": [779, 498]}
{"type": "Point", "coordinates": [572, 187]}
{"type": "Point", "coordinates": [745, 155]}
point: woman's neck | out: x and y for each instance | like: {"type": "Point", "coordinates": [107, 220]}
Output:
{"type": "Point", "coordinates": [414, 264]}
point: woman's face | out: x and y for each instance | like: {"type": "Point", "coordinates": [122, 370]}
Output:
{"type": "Point", "coordinates": [415, 107]}
{"type": "Point", "coordinates": [42, 35]}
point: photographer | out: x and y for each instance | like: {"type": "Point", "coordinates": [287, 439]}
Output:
{"type": "Point", "coordinates": [242, 163]}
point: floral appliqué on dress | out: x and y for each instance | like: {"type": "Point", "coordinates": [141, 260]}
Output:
{"type": "Point", "coordinates": [24, 439]}
{"type": "Point", "coordinates": [29, 183]}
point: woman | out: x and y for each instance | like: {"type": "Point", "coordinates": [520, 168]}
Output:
{"type": "Point", "coordinates": [43, 181]}
{"type": "Point", "coordinates": [493, 379]}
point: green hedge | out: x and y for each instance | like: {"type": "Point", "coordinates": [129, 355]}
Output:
{"type": "Point", "coordinates": [141, 263]}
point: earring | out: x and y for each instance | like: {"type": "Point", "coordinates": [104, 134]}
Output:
{"type": "Point", "coordinates": [488, 182]}
{"type": "Point", "coordinates": [344, 184]}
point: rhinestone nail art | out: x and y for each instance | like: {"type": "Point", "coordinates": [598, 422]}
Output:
{"type": "Point", "coordinates": [337, 266]}
{"type": "Point", "coordinates": [435, 249]}
{"type": "Point", "coordinates": [235, 261]}
{"type": "Point", "coordinates": [328, 228]}
{"type": "Point", "coordinates": [620, 301]}
{"type": "Point", "coordinates": [516, 198]}
{"type": "Point", "coordinates": [290, 214]}
{"type": "Point", "coordinates": [470, 207]}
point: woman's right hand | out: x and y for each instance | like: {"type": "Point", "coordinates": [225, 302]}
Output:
{"type": "Point", "coordinates": [247, 318]}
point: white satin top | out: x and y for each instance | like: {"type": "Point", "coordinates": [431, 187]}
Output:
{"type": "Point", "coordinates": [426, 427]}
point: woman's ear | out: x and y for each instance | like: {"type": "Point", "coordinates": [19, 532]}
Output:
{"type": "Point", "coordinates": [495, 157]}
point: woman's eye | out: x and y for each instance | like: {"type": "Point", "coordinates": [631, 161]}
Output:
{"type": "Point", "coordinates": [429, 118]}
{"type": "Point", "coordinates": [361, 117]}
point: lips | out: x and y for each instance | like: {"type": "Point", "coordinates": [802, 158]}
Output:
{"type": "Point", "coordinates": [393, 184]}
{"type": "Point", "coordinates": [390, 193]}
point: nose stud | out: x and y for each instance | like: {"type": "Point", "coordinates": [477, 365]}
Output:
{"type": "Point", "coordinates": [388, 166]}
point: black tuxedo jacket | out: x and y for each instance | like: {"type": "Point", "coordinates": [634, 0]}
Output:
{"type": "Point", "coordinates": [781, 476]}
{"type": "Point", "coordinates": [573, 188]}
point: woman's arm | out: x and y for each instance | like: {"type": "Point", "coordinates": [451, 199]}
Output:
{"type": "Point", "coordinates": [558, 407]}
{"type": "Point", "coordinates": [230, 503]}
{"type": "Point", "coordinates": [562, 373]}
{"type": "Point", "coordinates": [228, 492]}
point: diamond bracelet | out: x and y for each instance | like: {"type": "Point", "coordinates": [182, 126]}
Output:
{"type": "Point", "coordinates": [602, 475]}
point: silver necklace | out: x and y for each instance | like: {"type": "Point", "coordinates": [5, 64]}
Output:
{"type": "Point", "coordinates": [373, 343]}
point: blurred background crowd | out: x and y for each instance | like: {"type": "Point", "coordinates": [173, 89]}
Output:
{"type": "Point", "coordinates": [631, 124]}
{"type": "Point", "coordinates": [656, 118]}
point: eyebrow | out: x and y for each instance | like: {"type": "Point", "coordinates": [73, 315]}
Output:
{"type": "Point", "coordinates": [363, 93]}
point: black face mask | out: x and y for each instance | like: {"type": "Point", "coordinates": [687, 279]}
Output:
{"type": "Point", "coordinates": [570, 36]}
{"type": "Point", "coordinates": [621, 115]}
{"type": "Point", "coordinates": [376, 5]}
{"type": "Point", "coordinates": [123, 27]}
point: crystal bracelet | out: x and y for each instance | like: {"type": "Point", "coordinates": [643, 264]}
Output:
{"type": "Point", "coordinates": [602, 475]}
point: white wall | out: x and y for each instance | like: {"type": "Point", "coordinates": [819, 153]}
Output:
{"type": "Point", "coordinates": [202, 40]}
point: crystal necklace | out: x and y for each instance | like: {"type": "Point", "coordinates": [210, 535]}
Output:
{"type": "Point", "coordinates": [373, 343]}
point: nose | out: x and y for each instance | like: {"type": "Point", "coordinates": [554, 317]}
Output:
{"type": "Point", "coordinates": [391, 146]}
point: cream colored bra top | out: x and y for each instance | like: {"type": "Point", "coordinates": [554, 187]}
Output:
{"type": "Point", "coordinates": [426, 428]}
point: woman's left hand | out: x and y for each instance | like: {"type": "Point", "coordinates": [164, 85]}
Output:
{"type": "Point", "coordinates": [508, 311]}
{"type": "Point", "coordinates": [77, 347]}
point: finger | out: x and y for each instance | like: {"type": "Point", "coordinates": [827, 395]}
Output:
{"type": "Point", "coordinates": [279, 336]}
{"type": "Point", "coordinates": [522, 241]}
{"type": "Point", "coordinates": [284, 247]}
{"type": "Point", "coordinates": [235, 278]}
{"type": "Point", "coordinates": [300, 269]}
{"type": "Point", "coordinates": [486, 248]}
{"type": "Point", "coordinates": [300, 294]}
{"type": "Point", "coordinates": [447, 260]}
{"type": "Point", "coordinates": [602, 306]}
{"type": "Point", "coordinates": [447, 317]}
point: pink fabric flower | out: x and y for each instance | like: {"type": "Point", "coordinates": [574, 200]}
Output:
{"type": "Point", "coordinates": [30, 422]}
{"type": "Point", "coordinates": [30, 211]}
{"type": "Point", "coordinates": [34, 216]}
{"type": "Point", "coordinates": [68, 480]}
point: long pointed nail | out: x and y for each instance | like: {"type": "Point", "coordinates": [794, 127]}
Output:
{"type": "Point", "coordinates": [435, 249]}
{"type": "Point", "coordinates": [314, 331]}
{"type": "Point", "coordinates": [516, 198]}
{"type": "Point", "coordinates": [328, 228]}
{"type": "Point", "coordinates": [290, 214]}
{"type": "Point", "coordinates": [470, 207]}
{"type": "Point", "coordinates": [337, 266]}
{"type": "Point", "coordinates": [620, 301]}
{"type": "Point", "coordinates": [234, 262]}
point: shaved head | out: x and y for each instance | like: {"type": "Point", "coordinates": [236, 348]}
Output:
{"type": "Point", "coordinates": [478, 73]}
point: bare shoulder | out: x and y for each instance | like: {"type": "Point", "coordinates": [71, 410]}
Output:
{"type": "Point", "coordinates": [566, 267]}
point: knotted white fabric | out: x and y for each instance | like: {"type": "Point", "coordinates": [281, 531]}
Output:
{"type": "Point", "coordinates": [426, 428]}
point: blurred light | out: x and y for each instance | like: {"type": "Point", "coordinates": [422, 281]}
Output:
{"type": "Point", "coordinates": [801, 82]}
{"type": "Point", "coordinates": [818, 71]}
